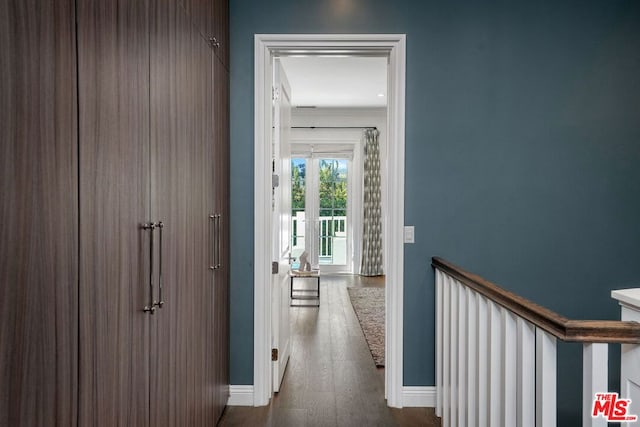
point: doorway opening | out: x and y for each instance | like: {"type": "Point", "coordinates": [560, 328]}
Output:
{"type": "Point", "coordinates": [334, 239]}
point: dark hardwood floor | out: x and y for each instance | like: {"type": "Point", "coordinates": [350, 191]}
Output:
{"type": "Point", "coordinates": [331, 379]}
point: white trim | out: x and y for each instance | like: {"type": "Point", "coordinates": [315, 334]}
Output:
{"type": "Point", "coordinates": [240, 395]}
{"type": "Point", "coordinates": [394, 224]}
{"type": "Point", "coordinates": [419, 396]}
{"type": "Point", "coordinates": [262, 226]}
{"type": "Point", "coordinates": [393, 45]}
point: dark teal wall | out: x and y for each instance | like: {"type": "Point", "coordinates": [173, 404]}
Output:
{"type": "Point", "coordinates": [522, 151]}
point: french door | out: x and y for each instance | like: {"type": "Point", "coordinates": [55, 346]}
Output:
{"type": "Point", "coordinates": [321, 211]}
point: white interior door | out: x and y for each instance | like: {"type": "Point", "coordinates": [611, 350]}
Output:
{"type": "Point", "coordinates": [281, 342]}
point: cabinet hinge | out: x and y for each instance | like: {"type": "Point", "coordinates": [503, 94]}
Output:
{"type": "Point", "coordinates": [275, 267]}
{"type": "Point", "coordinates": [213, 42]}
{"type": "Point", "coordinates": [275, 93]}
{"type": "Point", "coordinates": [274, 354]}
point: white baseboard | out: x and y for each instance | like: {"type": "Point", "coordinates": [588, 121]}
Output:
{"type": "Point", "coordinates": [412, 396]}
{"type": "Point", "coordinates": [240, 395]}
{"type": "Point", "coordinates": [419, 397]}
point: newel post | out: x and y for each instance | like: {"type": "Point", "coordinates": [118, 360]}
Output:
{"type": "Point", "coordinates": [629, 300]}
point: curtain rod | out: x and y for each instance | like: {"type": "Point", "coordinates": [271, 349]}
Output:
{"type": "Point", "coordinates": [334, 127]}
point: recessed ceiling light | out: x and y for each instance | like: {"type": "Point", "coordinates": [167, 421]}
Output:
{"type": "Point", "coordinates": [381, 95]}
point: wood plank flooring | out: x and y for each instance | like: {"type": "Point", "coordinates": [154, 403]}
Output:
{"type": "Point", "coordinates": [331, 379]}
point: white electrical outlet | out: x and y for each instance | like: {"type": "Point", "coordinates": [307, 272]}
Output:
{"type": "Point", "coordinates": [409, 234]}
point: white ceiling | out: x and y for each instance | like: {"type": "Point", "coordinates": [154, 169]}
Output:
{"type": "Point", "coordinates": [336, 81]}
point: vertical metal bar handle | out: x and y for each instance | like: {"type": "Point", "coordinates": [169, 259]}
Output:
{"type": "Point", "coordinates": [160, 303]}
{"type": "Point", "coordinates": [212, 227]}
{"type": "Point", "coordinates": [151, 308]}
{"type": "Point", "coordinates": [218, 242]}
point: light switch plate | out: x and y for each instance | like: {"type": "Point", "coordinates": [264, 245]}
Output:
{"type": "Point", "coordinates": [409, 234]}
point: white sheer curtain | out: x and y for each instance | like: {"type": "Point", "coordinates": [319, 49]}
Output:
{"type": "Point", "coordinates": [371, 261]}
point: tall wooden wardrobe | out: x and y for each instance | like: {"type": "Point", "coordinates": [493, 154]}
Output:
{"type": "Point", "coordinates": [114, 194]}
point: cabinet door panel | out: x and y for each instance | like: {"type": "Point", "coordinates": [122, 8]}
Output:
{"type": "Point", "coordinates": [38, 220]}
{"type": "Point", "coordinates": [169, 135]}
{"type": "Point", "coordinates": [220, 313]}
{"type": "Point", "coordinates": [113, 52]}
{"type": "Point", "coordinates": [181, 111]}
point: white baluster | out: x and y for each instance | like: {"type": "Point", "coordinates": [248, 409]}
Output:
{"type": "Point", "coordinates": [446, 357]}
{"type": "Point", "coordinates": [509, 359]}
{"type": "Point", "coordinates": [526, 368]}
{"type": "Point", "coordinates": [462, 354]}
{"type": "Point", "coordinates": [595, 360]}
{"type": "Point", "coordinates": [439, 332]}
{"type": "Point", "coordinates": [455, 315]}
{"type": "Point", "coordinates": [482, 330]}
{"type": "Point", "coordinates": [495, 367]}
{"type": "Point", "coordinates": [546, 367]}
{"type": "Point", "coordinates": [472, 357]}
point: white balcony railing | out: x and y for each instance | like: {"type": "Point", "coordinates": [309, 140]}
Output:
{"type": "Point", "coordinates": [332, 237]}
{"type": "Point", "coordinates": [496, 354]}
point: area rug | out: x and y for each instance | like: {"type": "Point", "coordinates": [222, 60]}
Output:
{"type": "Point", "coordinates": [368, 303]}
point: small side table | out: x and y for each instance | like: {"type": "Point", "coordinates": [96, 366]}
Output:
{"type": "Point", "coordinates": [308, 297]}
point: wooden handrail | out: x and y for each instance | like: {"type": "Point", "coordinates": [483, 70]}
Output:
{"type": "Point", "coordinates": [595, 331]}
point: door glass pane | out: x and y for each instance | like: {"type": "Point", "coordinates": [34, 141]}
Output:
{"type": "Point", "coordinates": [298, 191]}
{"type": "Point", "coordinates": [332, 219]}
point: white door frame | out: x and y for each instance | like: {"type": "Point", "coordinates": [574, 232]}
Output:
{"type": "Point", "coordinates": [393, 45]}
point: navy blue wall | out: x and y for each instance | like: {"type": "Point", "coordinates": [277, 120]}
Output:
{"type": "Point", "coordinates": [522, 152]}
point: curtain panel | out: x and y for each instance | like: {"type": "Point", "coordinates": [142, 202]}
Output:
{"type": "Point", "coordinates": [371, 262]}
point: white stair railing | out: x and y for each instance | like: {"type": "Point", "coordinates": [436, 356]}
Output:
{"type": "Point", "coordinates": [496, 354]}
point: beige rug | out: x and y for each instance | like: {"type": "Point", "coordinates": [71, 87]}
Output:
{"type": "Point", "coordinates": [368, 303]}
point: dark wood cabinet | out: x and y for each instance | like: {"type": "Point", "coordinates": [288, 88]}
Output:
{"type": "Point", "coordinates": [39, 214]}
{"type": "Point", "coordinates": [136, 135]}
